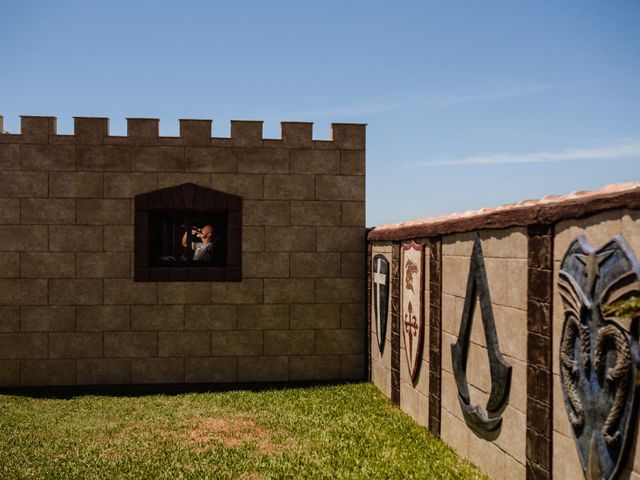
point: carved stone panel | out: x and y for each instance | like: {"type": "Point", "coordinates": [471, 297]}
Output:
{"type": "Point", "coordinates": [599, 353]}
{"type": "Point", "coordinates": [380, 296]}
{"type": "Point", "coordinates": [484, 422]}
{"type": "Point", "coordinates": [412, 314]}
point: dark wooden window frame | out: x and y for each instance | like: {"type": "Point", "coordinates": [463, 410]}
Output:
{"type": "Point", "coordinates": [189, 199]}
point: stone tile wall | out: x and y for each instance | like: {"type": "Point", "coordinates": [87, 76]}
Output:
{"type": "Point", "coordinates": [70, 313]}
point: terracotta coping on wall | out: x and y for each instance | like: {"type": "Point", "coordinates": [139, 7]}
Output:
{"type": "Point", "coordinates": [547, 210]}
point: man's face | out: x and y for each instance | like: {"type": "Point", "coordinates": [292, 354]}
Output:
{"type": "Point", "coordinates": [207, 234]}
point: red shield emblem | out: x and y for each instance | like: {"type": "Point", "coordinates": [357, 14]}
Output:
{"type": "Point", "coordinates": [412, 313]}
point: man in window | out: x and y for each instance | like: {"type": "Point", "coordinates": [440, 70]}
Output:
{"type": "Point", "coordinates": [202, 250]}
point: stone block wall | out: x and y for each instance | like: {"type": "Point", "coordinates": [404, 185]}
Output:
{"type": "Point", "coordinates": [70, 311]}
{"type": "Point", "coordinates": [522, 248]}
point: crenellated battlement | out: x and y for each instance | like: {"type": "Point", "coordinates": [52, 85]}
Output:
{"type": "Point", "coordinates": [193, 132]}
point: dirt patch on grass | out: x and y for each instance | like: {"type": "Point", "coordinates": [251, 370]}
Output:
{"type": "Point", "coordinates": [231, 432]}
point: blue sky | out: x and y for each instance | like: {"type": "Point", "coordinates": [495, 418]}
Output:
{"type": "Point", "coordinates": [469, 104]}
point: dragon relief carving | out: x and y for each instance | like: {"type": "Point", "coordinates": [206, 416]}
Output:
{"type": "Point", "coordinates": [598, 353]}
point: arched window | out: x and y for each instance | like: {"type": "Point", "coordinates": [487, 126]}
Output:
{"type": "Point", "coordinates": [188, 233]}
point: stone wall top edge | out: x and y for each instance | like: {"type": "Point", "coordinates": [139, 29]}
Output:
{"type": "Point", "coordinates": [36, 129]}
{"type": "Point", "coordinates": [548, 210]}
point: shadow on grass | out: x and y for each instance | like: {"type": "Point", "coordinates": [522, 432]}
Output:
{"type": "Point", "coordinates": [74, 391]}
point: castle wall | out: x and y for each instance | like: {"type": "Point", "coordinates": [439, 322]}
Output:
{"type": "Point", "coordinates": [522, 248]}
{"type": "Point", "coordinates": [71, 313]}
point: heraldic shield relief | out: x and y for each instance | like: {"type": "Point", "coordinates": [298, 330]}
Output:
{"type": "Point", "coordinates": [598, 354]}
{"type": "Point", "coordinates": [380, 297]}
{"type": "Point", "coordinates": [412, 316]}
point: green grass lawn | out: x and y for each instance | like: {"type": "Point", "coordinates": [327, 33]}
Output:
{"type": "Point", "coordinates": [332, 431]}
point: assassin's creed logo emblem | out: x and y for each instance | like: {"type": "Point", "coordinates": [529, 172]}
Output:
{"type": "Point", "coordinates": [481, 421]}
{"type": "Point", "coordinates": [599, 353]}
{"type": "Point", "coordinates": [380, 297]}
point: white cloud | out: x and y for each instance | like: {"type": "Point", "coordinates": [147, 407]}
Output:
{"type": "Point", "coordinates": [610, 152]}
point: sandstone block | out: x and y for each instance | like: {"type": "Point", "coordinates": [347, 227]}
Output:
{"type": "Point", "coordinates": [315, 161]}
{"type": "Point", "coordinates": [48, 319]}
{"type": "Point", "coordinates": [127, 292]}
{"type": "Point", "coordinates": [289, 187]}
{"type": "Point", "coordinates": [297, 134]}
{"type": "Point", "coordinates": [75, 184]}
{"type": "Point", "coordinates": [130, 344]}
{"type": "Point", "coordinates": [352, 265]}
{"type": "Point", "coordinates": [9, 211]}
{"type": "Point", "coordinates": [9, 156]}
{"type": "Point", "coordinates": [184, 344]}
{"type": "Point", "coordinates": [353, 214]}
{"type": "Point", "coordinates": [104, 212]}
{"type": "Point", "coordinates": [103, 318]}
{"type": "Point", "coordinates": [181, 292]}
{"type": "Point", "coordinates": [47, 211]}
{"type": "Point", "coordinates": [315, 265]}
{"type": "Point", "coordinates": [212, 159]}
{"type": "Point", "coordinates": [91, 131]}
{"type": "Point", "coordinates": [157, 370]}
{"type": "Point", "coordinates": [23, 345]}
{"type": "Point", "coordinates": [23, 292]}
{"type": "Point", "coordinates": [289, 342]}
{"type": "Point", "coordinates": [265, 265]}
{"type": "Point", "coordinates": [318, 316]}
{"type": "Point", "coordinates": [260, 317]}
{"type": "Point", "coordinates": [47, 372]}
{"type": "Point", "coordinates": [352, 162]}
{"type": "Point", "coordinates": [339, 187]}
{"type": "Point", "coordinates": [348, 135]}
{"type": "Point", "coordinates": [297, 290]}
{"type": "Point", "coordinates": [171, 179]}
{"type": "Point", "coordinates": [48, 157]}
{"type": "Point", "coordinates": [340, 290]}
{"type": "Point", "coordinates": [75, 345]}
{"type": "Point", "coordinates": [23, 184]}
{"type": "Point", "coordinates": [353, 315]}
{"type": "Point", "coordinates": [340, 342]}
{"type": "Point", "coordinates": [245, 185]}
{"type": "Point", "coordinates": [290, 239]}
{"type": "Point", "coordinates": [315, 367]}
{"type": "Point", "coordinates": [36, 129]}
{"type": "Point", "coordinates": [9, 319]}
{"type": "Point", "coordinates": [157, 159]}
{"type": "Point", "coordinates": [10, 262]}
{"type": "Point", "coordinates": [103, 371]}
{"type": "Point", "coordinates": [253, 239]}
{"type": "Point", "coordinates": [263, 369]}
{"type": "Point", "coordinates": [118, 239]}
{"type": "Point", "coordinates": [104, 159]}
{"type": "Point", "coordinates": [247, 291]}
{"type": "Point", "coordinates": [210, 317]}
{"type": "Point", "coordinates": [75, 292]}
{"type": "Point", "coordinates": [195, 132]}
{"type": "Point", "coordinates": [345, 239]}
{"type": "Point", "coordinates": [236, 343]}
{"type": "Point", "coordinates": [157, 317]}
{"type": "Point", "coordinates": [9, 373]}
{"type": "Point", "coordinates": [127, 185]}
{"type": "Point", "coordinates": [262, 212]}
{"type": "Point", "coordinates": [315, 213]}
{"type": "Point", "coordinates": [47, 265]}
{"type": "Point", "coordinates": [246, 132]}
{"type": "Point", "coordinates": [263, 160]}
{"type": "Point", "coordinates": [103, 265]}
{"type": "Point", "coordinates": [353, 367]}
{"type": "Point", "coordinates": [210, 370]}
{"type": "Point", "coordinates": [143, 131]}
{"type": "Point", "coordinates": [75, 238]}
